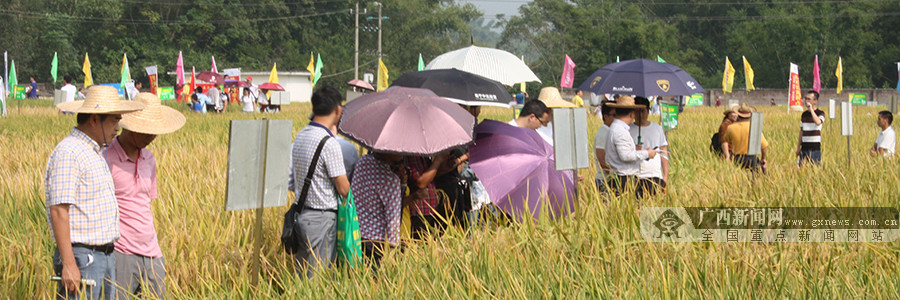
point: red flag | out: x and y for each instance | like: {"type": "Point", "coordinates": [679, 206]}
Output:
{"type": "Point", "coordinates": [214, 68]}
{"type": "Point", "coordinates": [817, 83]}
{"type": "Point", "coordinates": [193, 81]}
{"type": "Point", "coordinates": [568, 73]}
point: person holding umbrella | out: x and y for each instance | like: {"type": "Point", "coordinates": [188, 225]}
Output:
{"type": "Point", "coordinates": [622, 155]}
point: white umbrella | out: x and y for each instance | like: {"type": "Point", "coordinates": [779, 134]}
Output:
{"type": "Point", "coordinates": [492, 63]}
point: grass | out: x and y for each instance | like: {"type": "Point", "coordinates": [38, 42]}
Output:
{"type": "Point", "coordinates": [596, 253]}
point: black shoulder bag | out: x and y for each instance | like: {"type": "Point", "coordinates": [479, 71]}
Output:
{"type": "Point", "coordinates": [290, 238]}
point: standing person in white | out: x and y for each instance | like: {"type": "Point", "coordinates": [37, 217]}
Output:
{"type": "Point", "coordinates": [887, 139]}
{"type": "Point", "coordinates": [608, 114]}
{"type": "Point", "coordinates": [622, 155]}
{"type": "Point", "coordinates": [248, 101]}
{"type": "Point", "coordinates": [69, 89]}
{"type": "Point", "coordinates": [648, 135]}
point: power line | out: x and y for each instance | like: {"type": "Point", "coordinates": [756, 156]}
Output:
{"type": "Point", "coordinates": [35, 15]}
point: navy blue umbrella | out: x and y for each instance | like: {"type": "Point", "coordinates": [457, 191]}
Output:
{"type": "Point", "coordinates": [458, 86]}
{"type": "Point", "coordinates": [641, 77]}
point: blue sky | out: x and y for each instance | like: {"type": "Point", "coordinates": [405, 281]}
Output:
{"type": "Point", "coordinates": [494, 7]}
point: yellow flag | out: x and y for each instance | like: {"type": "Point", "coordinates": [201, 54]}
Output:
{"type": "Point", "coordinates": [748, 74]}
{"type": "Point", "coordinates": [383, 72]}
{"type": "Point", "coordinates": [839, 72]}
{"type": "Point", "coordinates": [88, 77]}
{"type": "Point", "coordinates": [728, 76]}
{"type": "Point", "coordinates": [273, 76]}
{"type": "Point", "coordinates": [311, 68]}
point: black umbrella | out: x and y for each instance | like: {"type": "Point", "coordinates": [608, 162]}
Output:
{"type": "Point", "coordinates": [458, 86]}
{"type": "Point", "coordinates": [641, 77]}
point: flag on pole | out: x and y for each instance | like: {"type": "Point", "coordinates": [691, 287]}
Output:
{"type": "Point", "coordinates": [273, 75]}
{"type": "Point", "coordinates": [898, 75]}
{"type": "Point", "coordinates": [214, 68]}
{"type": "Point", "coordinates": [748, 74]}
{"type": "Point", "coordinates": [794, 91]}
{"type": "Point", "coordinates": [193, 80]}
{"type": "Point", "coordinates": [311, 67]}
{"type": "Point", "coordinates": [179, 70]}
{"type": "Point", "coordinates": [319, 66]}
{"type": "Point", "coordinates": [5, 70]}
{"type": "Point", "coordinates": [617, 58]}
{"type": "Point", "coordinates": [817, 82]}
{"type": "Point", "coordinates": [13, 81]}
{"type": "Point", "coordinates": [53, 67]}
{"type": "Point", "coordinates": [383, 76]}
{"type": "Point", "coordinates": [728, 76]}
{"type": "Point", "coordinates": [522, 85]}
{"type": "Point", "coordinates": [659, 59]}
{"type": "Point", "coordinates": [839, 72]}
{"type": "Point", "coordinates": [126, 76]}
{"type": "Point", "coordinates": [568, 73]}
{"type": "Point", "coordinates": [421, 63]}
{"type": "Point", "coordinates": [152, 76]}
{"type": "Point", "coordinates": [86, 68]}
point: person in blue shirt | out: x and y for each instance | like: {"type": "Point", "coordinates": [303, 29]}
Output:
{"type": "Point", "coordinates": [203, 98]}
{"type": "Point", "coordinates": [32, 92]}
{"type": "Point", "coordinates": [196, 106]}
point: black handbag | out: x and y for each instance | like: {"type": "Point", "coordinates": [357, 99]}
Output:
{"type": "Point", "coordinates": [290, 238]}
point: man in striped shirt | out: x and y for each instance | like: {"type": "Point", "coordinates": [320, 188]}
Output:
{"type": "Point", "coordinates": [809, 144]}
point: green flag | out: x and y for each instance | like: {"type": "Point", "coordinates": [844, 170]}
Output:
{"type": "Point", "coordinates": [12, 75]}
{"type": "Point", "coordinates": [659, 59]}
{"type": "Point", "coordinates": [421, 63]}
{"type": "Point", "coordinates": [617, 58]}
{"type": "Point", "coordinates": [126, 75]}
{"type": "Point", "coordinates": [53, 65]}
{"type": "Point", "coordinates": [319, 66]}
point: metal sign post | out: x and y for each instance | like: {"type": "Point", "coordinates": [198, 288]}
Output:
{"type": "Point", "coordinates": [847, 125]}
{"type": "Point", "coordinates": [831, 113]}
{"type": "Point", "coordinates": [258, 164]}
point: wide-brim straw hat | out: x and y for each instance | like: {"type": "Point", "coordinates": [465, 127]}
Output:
{"type": "Point", "coordinates": [551, 98]}
{"type": "Point", "coordinates": [744, 111]}
{"type": "Point", "coordinates": [624, 102]}
{"type": "Point", "coordinates": [156, 119]}
{"type": "Point", "coordinates": [101, 100]}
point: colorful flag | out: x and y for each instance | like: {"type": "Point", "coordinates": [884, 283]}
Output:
{"type": "Point", "coordinates": [273, 75]}
{"type": "Point", "coordinates": [214, 68]}
{"type": "Point", "coordinates": [86, 68]}
{"type": "Point", "coordinates": [193, 80]}
{"type": "Point", "coordinates": [659, 59]}
{"type": "Point", "coordinates": [617, 58]}
{"type": "Point", "coordinates": [839, 72]}
{"type": "Point", "coordinates": [311, 67]}
{"type": "Point", "coordinates": [794, 91]}
{"type": "Point", "coordinates": [817, 82]}
{"type": "Point", "coordinates": [13, 81]}
{"type": "Point", "coordinates": [126, 76]}
{"type": "Point", "coordinates": [382, 76]}
{"type": "Point", "coordinates": [179, 70]}
{"type": "Point", "coordinates": [748, 74]}
{"type": "Point", "coordinates": [53, 67]}
{"type": "Point", "coordinates": [568, 73]}
{"type": "Point", "coordinates": [421, 63]}
{"type": "Point", "coordinates": [319, 66]}
{"type": "Point", "coordinates": [728, 76]}
{"type": "Point", "coordinates": [152, 74]}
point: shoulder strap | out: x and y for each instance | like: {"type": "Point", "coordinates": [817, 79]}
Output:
{"type": "Point", "coordinates": [312, 169]}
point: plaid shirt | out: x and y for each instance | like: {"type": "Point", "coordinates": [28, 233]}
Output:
{"type": "Point", "coordinates": [376, 191]}
{"type": "Point", "coordinates": [426, 206]}
{"type": "Point", "coordinates": [321, 194]}
{"type": "Point", "coordinates": [78, 175]}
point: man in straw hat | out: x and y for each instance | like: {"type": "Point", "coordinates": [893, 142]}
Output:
{"type": "Point", "coordinates": [140, 266]}
{"type": "Point", "coordinates": [729, 118]}
{"type": "Point", "coordinates": [81, 197]}
{"type": "Point", "coordinates": [736, 142]}
{"type": "Point", "coordinates": [622, 155]}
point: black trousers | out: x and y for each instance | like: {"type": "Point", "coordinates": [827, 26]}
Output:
{"type": "Point", "coordinates": [749, 162]}
{"type": "Point", "coordinates": [642, 186]}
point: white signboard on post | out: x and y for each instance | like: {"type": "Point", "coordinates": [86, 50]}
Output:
{"type": "Point", "coordinates": [258, 164]}
{"type": "Point", "coordinates": [831, 111]}
{"type": "Point", "coordinates": [570, 139]}
{"type": "Point", "coordinates": [755, 141]}
{"type": "Point", "coordinates": [846, 119]}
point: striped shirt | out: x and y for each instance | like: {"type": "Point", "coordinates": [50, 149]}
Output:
{"type": "Point", "coordinates": [321, 194]}
{"type": "Point", "coordinates": [810, 133]}
{"type": "Point", "coordinates": [78, 175]}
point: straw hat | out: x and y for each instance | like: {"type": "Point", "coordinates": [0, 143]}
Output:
{"type": "Point", "coordinates": [101, 100]}
{"type": "Point", "coordinates": [155, 119]}
{"type": "Point", "coordinates": [624, 102]}
{"type": "Point", "coordinates": [744, 111]}
{"type": "Point", "coordinates": [551, 97]}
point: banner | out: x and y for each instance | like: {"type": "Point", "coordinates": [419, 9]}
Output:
{"type": "Point", "coordinates": [794, 97]}
{"type": "Point", "coordinates": [669, 115]}
{"type": "Point", "coordinates": [421, 63]}
{"type": "Point", "coordinates": [311, 67]}
{"type": "Point", "coordinates": [319, 66]}
{"type": "Point", "coordinates": [568, 73]}
{"type": "Point", "coordinates": [167, 93]}
{"type": "Point", "coordinates": [748, 74]}
{"type": "Point", "coordinates": [383, 76]}
{"type": "Point", "coordinates": [233, 72]}
{"type": "Point", "coordinates": [839, 72]}
{"type": "Point", "coordinates": [857, 98]}
{"type": "Point", "coordinates": [728, 76]}
{"type": "Point", "coordinates": [817, 81]}
{"type": "Point", "coordinates": [214, 68]}
{"type": "Point", "coordinates": [151, 73]}
{"type": "Point", "coordinates": [695, 99]}
{"type": "Point", "coordinates": [19, 92]}
{"type": "Point", "coordinates": [54, 65]}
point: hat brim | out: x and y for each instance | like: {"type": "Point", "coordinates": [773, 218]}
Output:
{"type": "Point", "coordinates": [744, 115]}
{"type": "Point", "coordinates": [120, 107]}
{"type": "Point", "coordinates": [169, 121]}
{"type": "Point", "coordinates": [616, 105]}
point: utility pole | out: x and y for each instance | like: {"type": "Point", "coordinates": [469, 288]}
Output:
{"type": "Point", "coordinates": [356, 52]}
{"type": "Point", "coordinates": [379, 45]}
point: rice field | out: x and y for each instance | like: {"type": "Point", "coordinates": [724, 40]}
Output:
{"type": "Point", "coordinates": [596, 253]}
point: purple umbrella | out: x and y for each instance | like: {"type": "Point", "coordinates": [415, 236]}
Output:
{"type": "Point", "coordinates": [516, 167]}
{"type": "Point", "coordinates": [407, 121]}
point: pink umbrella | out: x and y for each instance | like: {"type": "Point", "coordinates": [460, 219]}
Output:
{"type": "Point", "coordinates": [211, 77]}
{"type": "Point", "coordinates": [271, 86]}
{"type": "Point", "coordinates": [517, 169]}
{"type": "Point", "coordinates": [407, 121]}
{"type": "Point", "coordinates": [232, 83]}
{"type": "Point", "coordinates": [361, 84]}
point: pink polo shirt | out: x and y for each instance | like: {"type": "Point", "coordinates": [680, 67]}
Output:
{"type": "Point", "coordinates": [134, 191]}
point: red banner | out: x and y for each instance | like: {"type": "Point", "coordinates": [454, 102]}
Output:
{"type": "Point", "coordinates": [151, 73]}
{"type": "Point", "coordinates": [794, 94]}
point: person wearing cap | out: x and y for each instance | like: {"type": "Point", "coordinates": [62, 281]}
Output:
{"type": "Point", "coordinates": [140, 267]}
{"type": "Point", "coordinates": [729, 118]}
{"type": "Point", "coordinates": [736, 142]}
{"type": "Point", "coordinates": [622, 155]}
{"type": "Point", "coordinates": [809, 145]}
{"type": "Point", "coordinates": [81, 197]}
{"type": "Point", "coordinates": [647, 134]}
